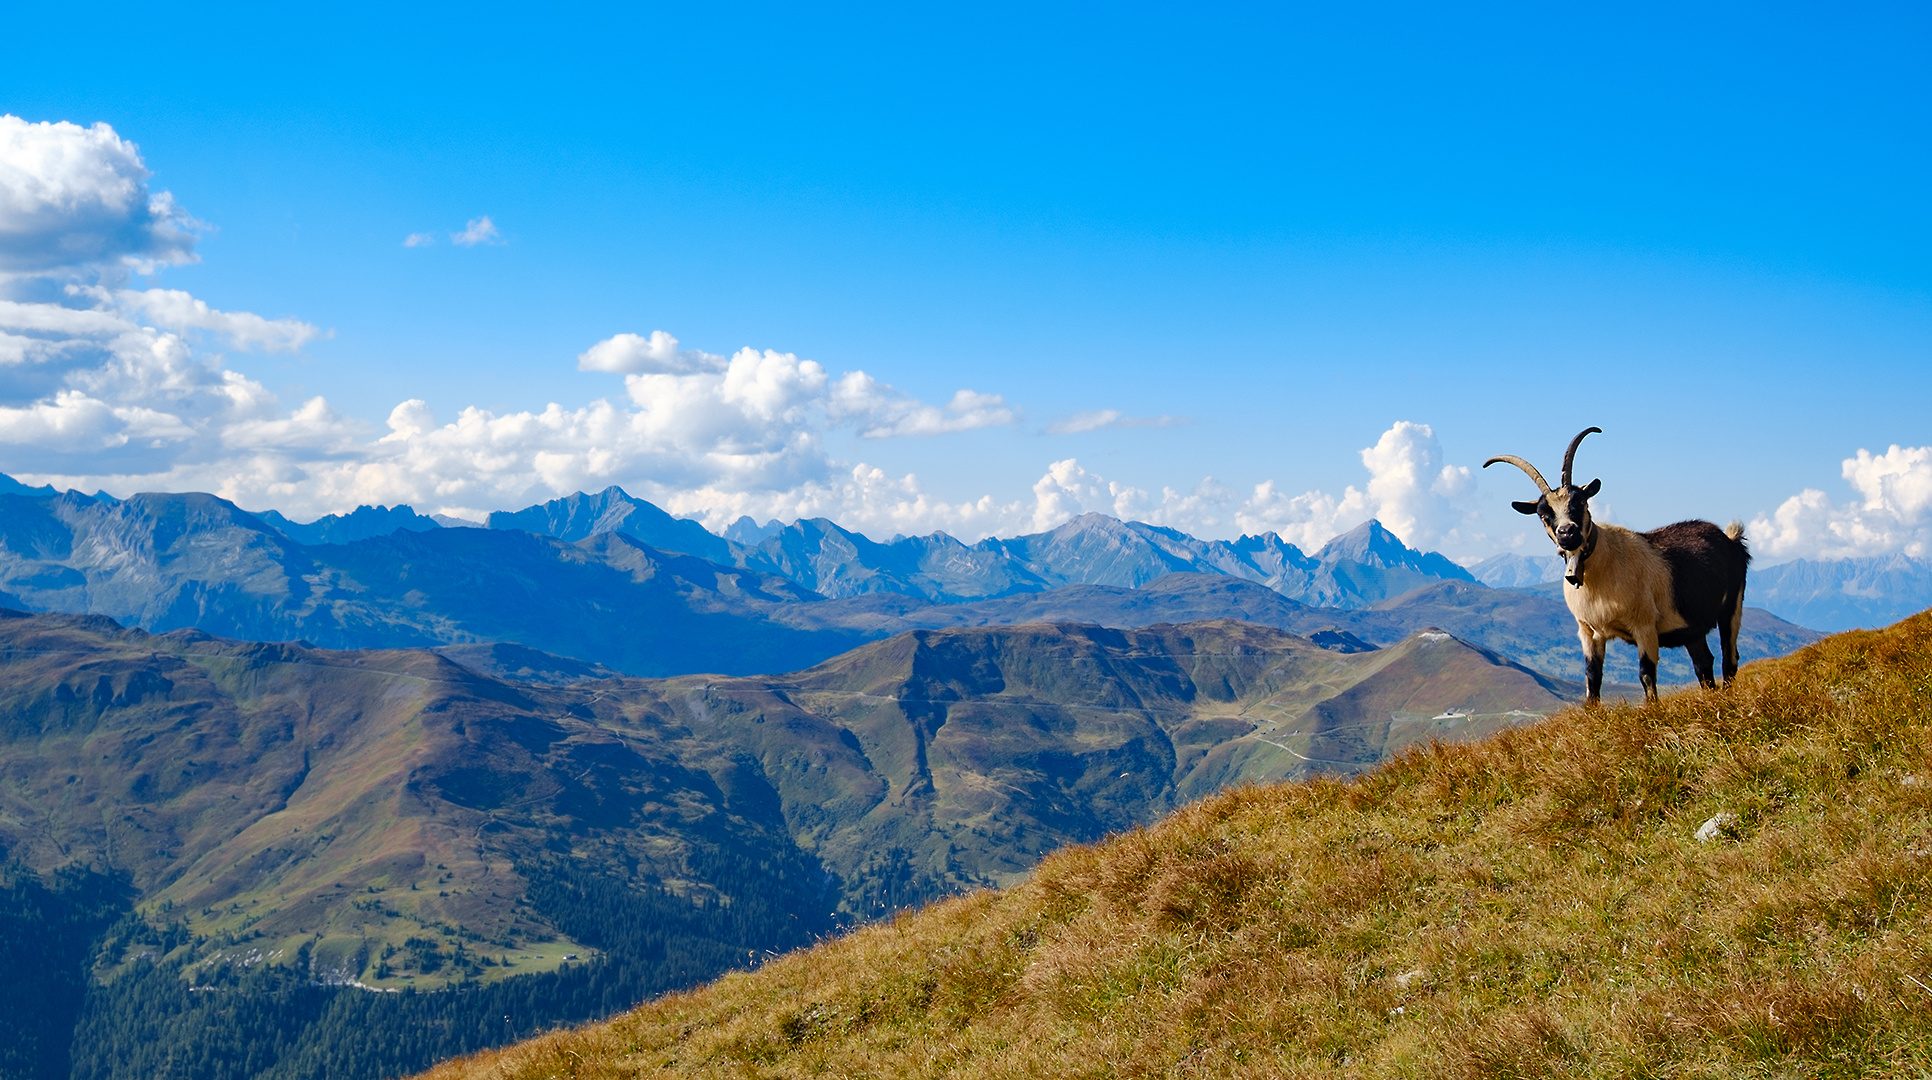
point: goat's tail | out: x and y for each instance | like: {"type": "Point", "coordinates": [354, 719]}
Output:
{"type": "Point", "coordinates": [1735, 530]}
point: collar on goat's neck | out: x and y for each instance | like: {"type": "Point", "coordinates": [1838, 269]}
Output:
{"type": "Point", "coordinates": [1573, 562]}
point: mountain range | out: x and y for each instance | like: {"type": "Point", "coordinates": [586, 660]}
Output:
{"type": "Point", "coordinates": [1358, 568]}
{"type": "Point", "coordinates": [594, 589]}
{"type": "Point", "coordinates": [1845, 594]}
{"type": "Point", "coordinates": [195, 561]}
{"type": "Point", "coordinates": [78, 552]}
{"type": "Point", "coordinates": [1353, 571]}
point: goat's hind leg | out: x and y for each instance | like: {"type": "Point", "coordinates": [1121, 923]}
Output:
{"type": "Point", "coordinates": [1727, 639]}
{"type": "Point", "coordinates": [1700, 657]}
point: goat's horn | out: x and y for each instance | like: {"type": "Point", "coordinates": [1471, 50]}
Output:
{"type": "Point", "coordinates": [1541, 484]}
{"type": "Point", "coordinates": [1570, 454]}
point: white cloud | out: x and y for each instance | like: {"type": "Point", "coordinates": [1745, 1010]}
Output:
{"type": "Point", "coordinates": [864, 498]}
{"type": "Point", "coordinates": [1308, 520]}
{"type": "Point", "coordinates": [313, 427]}
{"type": "Point", "coordinates": [1100, 419]}
{"type": "Point", "coordinates": [105, 387]}
{"type": "Point", "coordinates": [419, 239]}
{"type": "Point", "coordinates": [75, 201]}
{"type": "Point", "coordinates": [1410, 490]}
{"type": "Point", "coordinates": [1892, 514]}
{"type": "Point", "coordinates": [105, 382]}
{"type": "Point", "coordinates": [712, 438]}
{"type": "Point", "coordinates": [479, 231]}
{"type": "Point", "coordinates": [92, 392]}
{"type": "Point", "coordinates": [881, 412]}
{"type": "Point", "coordinates": [53, 319]}
{"type": "Point", "coordinates": [74, 421]}
{"type": "Point", "coordinates": [1085, 421]}
{"type": "Point", "coordinates": [627, 354]}
{"type": "Point", "coordinates": [1067, 490]}
{"type": "Point", "coordinates": [1414, 496]}
{"type": "Point", "coordinates": [176, 310]}
{"type": "Point", "coordinates": [694, 431]}
{"type": "Point", "coordinates": [1210, 509]}
{"type": "Point", "coordinates": [132, 407]}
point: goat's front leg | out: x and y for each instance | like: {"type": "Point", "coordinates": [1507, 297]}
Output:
{"type": "Point", "coordinates": [1594, 645]}
{"type": "Point", "coordinates": [1646, 641]}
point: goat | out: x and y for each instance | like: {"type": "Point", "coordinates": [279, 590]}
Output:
{"type": "Point", "coordinates": [1667, 588]}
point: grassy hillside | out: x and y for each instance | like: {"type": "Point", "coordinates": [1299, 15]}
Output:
{"type": "Point", "coordinates": [1731, 883]}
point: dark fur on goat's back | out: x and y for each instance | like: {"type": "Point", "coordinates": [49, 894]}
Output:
{"type": "Point", "coordinates": [1707, 570]}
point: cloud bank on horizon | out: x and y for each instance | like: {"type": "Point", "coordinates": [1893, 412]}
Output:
{"type": "Point", "coordinates": [103, 385]}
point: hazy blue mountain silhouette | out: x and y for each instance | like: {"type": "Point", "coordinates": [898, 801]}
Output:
{"type": "Point", "coordinates": [1513, 571]}
{"type": "Point", "coordinates": [826, 558]}
{"type": "Point", "coordinates": [359, 524]}
{"type": "Point", "coordinates": [167, 561]}
{"type": "Point", "coordinates": [749, 533]}
{"type": "Point", "coordinates": [1356, 569]}
{"type": "Point", "coordinates": [10, 486]}
{"type": "Point", "coordinates": [1845, 594]}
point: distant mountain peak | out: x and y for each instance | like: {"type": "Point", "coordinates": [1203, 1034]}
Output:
{"type": "Point", "coordinates": [1369, 543]}
{"type": "Point", "coordinates": [1372, 544]}
{"type": "Point", "coordinates": [748, 532]}
{"type": "Point", "coordinates": [578, 516]}
{"type": "Point", "coordinates": [10, 486]}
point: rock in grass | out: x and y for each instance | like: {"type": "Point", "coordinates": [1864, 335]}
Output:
{"type": "Point", "coordinates": [1715, 827]}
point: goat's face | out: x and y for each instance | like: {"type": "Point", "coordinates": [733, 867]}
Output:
{"type": "Point", "coordinates": [1565, 511]}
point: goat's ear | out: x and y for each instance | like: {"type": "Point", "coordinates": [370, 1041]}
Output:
{"type": "Point", "coordinates": [1525, 507]}
{"type": "Point", "coordinates": [1591, 491]}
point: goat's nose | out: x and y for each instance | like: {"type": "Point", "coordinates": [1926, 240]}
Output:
{"type": "Point", "coordinates": [1569, 536]}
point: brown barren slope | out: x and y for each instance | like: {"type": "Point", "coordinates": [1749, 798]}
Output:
{"type": "Point", "coordinates": [1536, 904]}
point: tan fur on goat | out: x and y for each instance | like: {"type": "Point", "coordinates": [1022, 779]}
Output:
{"type": "Point", "coordinates": [1623, 591]}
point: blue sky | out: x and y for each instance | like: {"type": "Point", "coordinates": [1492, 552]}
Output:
{"type": "Point", "coordinates": [1260, 236]}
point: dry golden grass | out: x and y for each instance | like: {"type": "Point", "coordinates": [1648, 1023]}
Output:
{"type": "Point", "coordinates": [1533, 905]}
